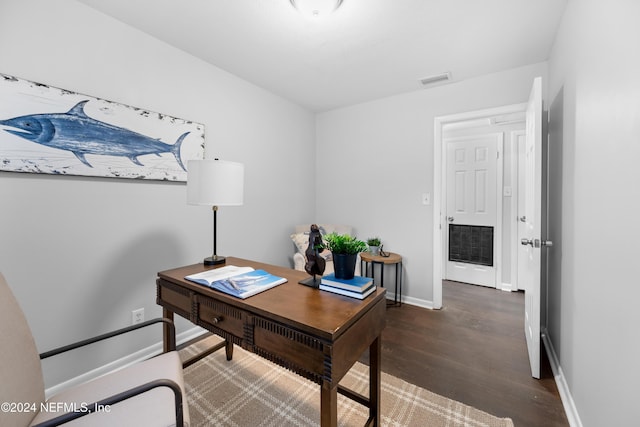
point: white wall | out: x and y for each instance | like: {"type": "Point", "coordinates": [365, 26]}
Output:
{"type": "Point", "coordinates": [375, 160]}
{"type": "Point", "coordinates": [81, 253]}
{"type": "Point", "coordinates": [593, 283]}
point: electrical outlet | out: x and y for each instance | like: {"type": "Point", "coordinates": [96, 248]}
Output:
{"type": "Point", "coordinates": [137, 316]}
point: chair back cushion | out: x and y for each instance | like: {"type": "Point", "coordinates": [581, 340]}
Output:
{"type": "Point", "coordinates": [20, 368]}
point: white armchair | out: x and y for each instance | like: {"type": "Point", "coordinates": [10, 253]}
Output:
{"type": "Point", "coordinates": [300, 238]}
{"type": "Point", "coordinates": [149, 393]}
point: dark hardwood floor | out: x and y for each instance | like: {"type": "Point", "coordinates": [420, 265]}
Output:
{"type": "Point", "coordinates": [473, 350]}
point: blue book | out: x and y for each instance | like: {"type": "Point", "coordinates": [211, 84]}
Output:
{"type": "Point", "coordinates": [357, 284]}
{"type": "Point", "coordinates": [358, 295]}
{"type": "Point", "coordinates": [240, 282]}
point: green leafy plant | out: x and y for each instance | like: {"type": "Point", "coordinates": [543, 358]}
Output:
{"type": "Point", "coordinates": [344, 244]}
{"type": "Point", "coordinates": [373, 241]}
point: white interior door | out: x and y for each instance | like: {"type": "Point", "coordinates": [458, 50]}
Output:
{"type": "Point", "coordinates": [472, 184]}
{"type": "Point", "coordinates": [532, 243]}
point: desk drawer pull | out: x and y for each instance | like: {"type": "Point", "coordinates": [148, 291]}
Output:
{"type": "Point", "coordinates": [216, 319]}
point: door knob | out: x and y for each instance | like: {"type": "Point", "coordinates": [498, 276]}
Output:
{"type": "Point", "coordinates": [526, 242]}
{"type": "Point", "coordinates": [523, 219]}
{"type": "Point", "coordinates": [536, 243]}
{"type": "Point", "coordinates": [450, 219]}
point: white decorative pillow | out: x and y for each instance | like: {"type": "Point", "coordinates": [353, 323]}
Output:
{"type": "Point", "coordinates": [301, 240]}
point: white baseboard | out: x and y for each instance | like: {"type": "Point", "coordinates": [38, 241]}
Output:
{"type": "Point", "coordinates": [507, 287]}
{"type": "Point", "coordinates": [136, 357]}
{"type": "Point", "coordinates": [563, 388]}
{"type": "Point", "coordinates": [411, 301]}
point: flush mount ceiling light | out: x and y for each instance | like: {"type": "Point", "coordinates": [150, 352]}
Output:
{"type": "Point", "coordinates": [316, 8]}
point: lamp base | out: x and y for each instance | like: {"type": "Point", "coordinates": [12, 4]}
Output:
{"type": "Point", "coordinates": [214, 260]}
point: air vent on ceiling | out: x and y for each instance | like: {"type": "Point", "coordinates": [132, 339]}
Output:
{"type": "Point", "coordinates": [436, 78]}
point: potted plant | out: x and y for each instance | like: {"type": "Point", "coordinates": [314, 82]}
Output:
{"type": "Point", "coordinates": [374, 245]}
{"type": "Point", "coordinates": [344, 249]}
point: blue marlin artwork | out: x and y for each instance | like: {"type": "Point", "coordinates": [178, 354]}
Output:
{"type": "Point", "coordinates": [76, 132]}
{"type": "Point", "coordinates": [49, 130]}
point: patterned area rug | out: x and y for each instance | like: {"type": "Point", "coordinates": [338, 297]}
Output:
{"type": "Point", "coordinates": [251, 391]}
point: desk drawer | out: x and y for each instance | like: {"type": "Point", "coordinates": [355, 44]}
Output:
{"type": "Point", "coordinates": [290, 348]}
{"type": "Point", "coordinates": [212, 313]}
{"type": "Point", "coordinates": [175, 298]}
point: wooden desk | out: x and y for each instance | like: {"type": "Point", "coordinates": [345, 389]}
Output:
{"type": "Point", "coordinates": [317, 334]}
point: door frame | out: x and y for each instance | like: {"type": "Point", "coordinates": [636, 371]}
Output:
{"type": "Point", "coordinates": [439, 182]}
{"type": "Point", "coordinates": [517, 172]}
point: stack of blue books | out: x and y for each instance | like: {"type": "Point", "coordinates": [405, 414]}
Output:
{"type": "Point", "coordinates": [358, 287]}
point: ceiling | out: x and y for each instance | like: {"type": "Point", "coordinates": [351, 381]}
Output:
{"type": "Point", "coordinates": [367, 49]}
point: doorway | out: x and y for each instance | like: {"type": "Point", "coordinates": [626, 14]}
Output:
{"type": "Point", "coordinates": [473, 235]}
{"type": "Point", "coordinates": [502, 125]}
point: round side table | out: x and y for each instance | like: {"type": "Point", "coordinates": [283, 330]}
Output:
{"type": "Point", "coordinates": [369, 259]}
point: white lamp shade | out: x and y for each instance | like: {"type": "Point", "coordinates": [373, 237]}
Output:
{"type": "Point", "coordinates": [215, 183]}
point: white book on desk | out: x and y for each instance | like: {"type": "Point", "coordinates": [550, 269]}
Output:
{"type": "Point", "coordinates": [241, 282]}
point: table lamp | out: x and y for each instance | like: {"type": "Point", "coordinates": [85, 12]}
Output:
{"type": "Point", "coordinates": [215, 183]}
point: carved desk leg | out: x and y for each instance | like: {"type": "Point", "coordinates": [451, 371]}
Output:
{"type": "Point", "coordinates": [228, 348]}
{"type": "Point", "coordinates": [166, 332]}
{"type": "Point", "coordinates": [328, 404]}
{"type": "Point", "coordinates": [375, 380]}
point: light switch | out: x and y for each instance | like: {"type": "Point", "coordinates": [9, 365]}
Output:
{"type": "Point", "coordinates": [426, 198]}
{"type": "Point", "coordinates": [507, 191]}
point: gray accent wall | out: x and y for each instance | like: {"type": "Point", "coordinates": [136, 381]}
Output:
{"type": "Point", "coordinates": [82, 253]}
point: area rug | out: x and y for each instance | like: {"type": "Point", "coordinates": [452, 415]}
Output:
{"type": "Point", "coordinates": [250, 391]}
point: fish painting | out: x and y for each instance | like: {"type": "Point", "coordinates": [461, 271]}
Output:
{"type": "Point", "coordinates": [76, 132]}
